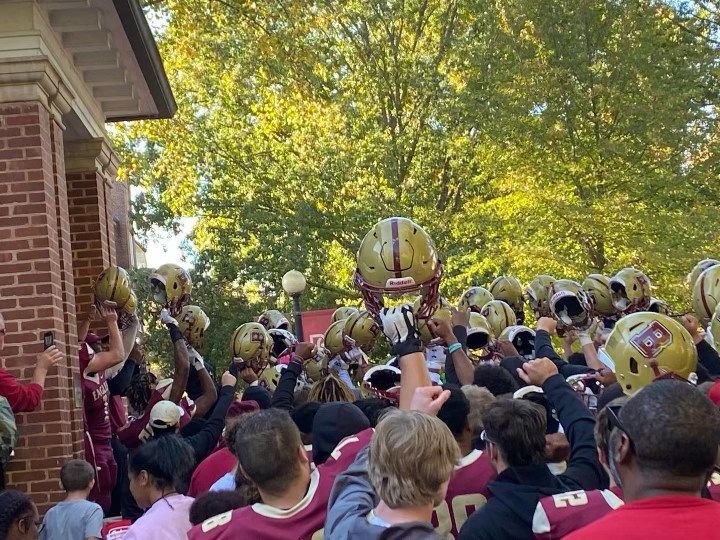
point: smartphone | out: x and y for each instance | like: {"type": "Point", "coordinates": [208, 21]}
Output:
{"type": "Point", "coordinates": [48, 340]}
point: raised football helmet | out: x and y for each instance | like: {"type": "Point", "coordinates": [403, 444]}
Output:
{"type": "Point", "coordinates": [571, 305]}
{"type": "Point", "coordinates": [499, 316]}
{"type": "Point", "coordinates": [343, 313]}
{"type": "Point", "coordinates": [715, 327]}
{"type": "Point", "coordinates": [362, 330]}
{"type": "Point", "coordinates": [598, 288]}
{"type": "Point", "coordinates": [538, 295]}
{"type": "Point", "coordinates": [479, 334]}
{"type": "Point", "coordinates": [474, 299]}
{"type": "Point", "coordinates": [645, 346]}
{"type": "Point", "coordinates": [382, 381]}
{"type": "Point", "coordinates": [283, 341]}
{"type": "Point", "coordinates": [522, 337]}
{"type": "Point", "coordinates": [706, 294]}
{"type": "Point", "coordinates": [270, 377]}
{"type": "Point", "coordinates": [335, 341]}
{"type": "Point", "coordinates": [397, 257]}
{"type": "Point", "coordinates": [659, 306]}
{"type": "Point", "coordinates": [631, 291]}
{"type": "Point", "coordinates": [509, 290]}
{"type": "Point", "coordinates": [272, 318]}
{"type": "Point", "coordinates": [252, 344]}
{"type": "Point", "coordinates": [699, 268]}
{"type": "Point", "coordinates": [441, 312]}
{"type": "Point", "coordinates": [193, 322]}
{"type": "Point", "coordinates": [113, 288]}
{"type": "Point", "coordinates": [171, 287]}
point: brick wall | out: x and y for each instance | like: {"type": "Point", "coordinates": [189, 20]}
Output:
{"type": "Point", "coordinates": [37, 291]}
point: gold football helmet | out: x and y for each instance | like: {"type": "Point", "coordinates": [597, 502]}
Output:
{"type": "Point", "coordinates": [645, 346]}
{"type": "Point", "coordinates": [598, 288]}
{"type": "Point", "coordinates": [397, 257]}
{"type": "Point", "coordinates": [193, 322]}
{"type": "Point", "coordinates": [342, 313]}
{"type": "Point", "coordinates": [362, 330]}
{"type": "Point", "coordinates": [538, 295]}
{"type": "Point", "coordinates": [522, 337]}
{"type": "Point", "coordinates": [631, 291]}
{"type": "Point", "coordinates": [570, 304]}
{"type": "Point", "coordinates": [114, 289]}
{"type": "Point", "coordinates": [335, 341]}
{"type": "Point", "coordinates": [272, 318]}
{"type": "Point", "coordinates": [382, 381]}
{"type": "Point", "coordinates": [499, 316]}
{"type": "Point", "coordinates": [171, 287]}
{"type": "Point", "coordinates": [715, 327]}
{"type": "Point", "coordinates": [699, 268]}
{"type": "Point", "coordinates": [479, 334]}
{"type": "Point", "coordinates": [474, 299]}
{"type": "Point", "coordinates": [251, 344]}
{"type": "Point", "coordinates": [442, 311]}
{"type": "Point", "coordinates": [509, 290]}
{"type": "Point", "coordinates": [659, 306]}
{"type": "Point", "coordinates": [706, 294]}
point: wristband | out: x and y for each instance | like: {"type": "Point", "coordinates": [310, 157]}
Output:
{"type": "Point", "coordinates": [454, 347]}
{"type": "Point", "coordinates": [584, 339]}
{"type": "Point", "coordinates": [175, 333]}
{"type": "Point", "coordinates": [409, 346]}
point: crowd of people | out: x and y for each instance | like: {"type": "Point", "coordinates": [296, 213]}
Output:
{"type": "Point", "coordinates": [598, 420]}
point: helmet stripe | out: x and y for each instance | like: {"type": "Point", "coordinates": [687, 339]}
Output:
{"type": "Point", "coordinates": [112, 294]}
{"type": "Point", "coordinates": [396, 247]}
{"type": "Point", "coordinates": [702, 296]}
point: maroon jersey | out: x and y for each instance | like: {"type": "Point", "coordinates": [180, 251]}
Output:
{"type": "Point", "coordinates": [96, 396]}
{"type": "Point", "coordinates": [561, 514]}
{"type": "Point", "coordinates": [467, 491]}
{"type": "Point", "coordinates": [137, 431]}
{"type": "Point", "coordinates": [304, 521]}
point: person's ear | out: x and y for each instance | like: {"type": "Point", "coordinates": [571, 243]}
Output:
{"type": "Point", "coordinates": [623, 450]}
{"type": "Point", "coordinates": [143, 478]}
{"type": "Point", "coordinates": [23, 525]}
{"type": "Point", "coordinates": [302, 455]}
{"type": "Point", "coordinates": [91, 485]}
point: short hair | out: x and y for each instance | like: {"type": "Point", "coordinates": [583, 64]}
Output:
{"type": "Point", "coordinates": [480, 400]}
{"type": "Point", "coordinates": [330, 388]}
{"type": "Point", "coordinates": [401, 481]}
{"type": "Point", "coordinates": [674, 428]}
{"type": "Point", "coordinates": [168, 460]}
{"type": "Point", "coordinates": [14, 506]}
{"type": "Point", "coordinates": [76, 474]}
{"type": "Point", "coordinates": [304, 415]}
{"type": "Point", "coordinates": [266, 447]}
{"type": "Point", "coordinates": [212, 503]}
{"type": "Point", "coordinates": [577, 359]}
{"type": "Point", "coordinates": [231, 431]}
{"type": "Point", "coordinates": [374, 408]}
{"type": "Point", "coordinates": [495, 378]}
{"type": "Point", "coordinates": [602, 425]}
{"type": "Point", "coordinates": [517, 427]}
{"type": "Point", "coordinates": [454, 412]}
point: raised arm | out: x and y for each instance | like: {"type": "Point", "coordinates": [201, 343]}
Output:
{"type": "Point", "coordinates": [180, 356]}
{"type": "Point", "coordinates": [458, 367]}
{"type": "Point", "coordinates": [208, 393]}
{"type": "Point", "coordinates": [116, 354]}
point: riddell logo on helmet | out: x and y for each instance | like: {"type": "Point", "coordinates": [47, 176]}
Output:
{"type": "Point", "coordinates": [396, 283]}
{"type": "Point", "coordinates": [652, 340]}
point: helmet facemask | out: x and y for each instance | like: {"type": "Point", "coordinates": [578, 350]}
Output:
{"type": "Point", "coordinates": [571, 310]}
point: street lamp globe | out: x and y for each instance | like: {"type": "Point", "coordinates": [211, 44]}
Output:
{"type": "Point", "coordinates": [293, 283]}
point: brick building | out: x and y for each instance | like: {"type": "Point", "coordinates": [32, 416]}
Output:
{"type": "Point", "coordinates": [67, 67]}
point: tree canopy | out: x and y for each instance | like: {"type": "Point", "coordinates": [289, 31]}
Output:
{"type": "Point", "coordinates": [544, 136]}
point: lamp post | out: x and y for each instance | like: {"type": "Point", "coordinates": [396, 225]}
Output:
{"type": "Point", "coordinates": [293, 283]}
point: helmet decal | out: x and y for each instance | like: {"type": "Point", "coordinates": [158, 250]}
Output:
{"type": "Point", "coordinates": [652, 340]}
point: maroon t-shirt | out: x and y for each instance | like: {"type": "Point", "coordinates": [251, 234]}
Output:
{"type": "Point", "coordinates": [559, 515]}
{"type": "Point", "coordinates": [96, 396]}
{"type": "Point", "coordinates": [210, 470]}
{"type": "Point", "coordinates": [467, 491]}
{"type": "Point", "coordinates": [304, 521]}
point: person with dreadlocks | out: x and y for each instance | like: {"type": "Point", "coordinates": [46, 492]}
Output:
{"type": "Point", "coordinates": [329, 389]}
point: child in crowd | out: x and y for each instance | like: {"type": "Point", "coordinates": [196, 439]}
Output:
{"type": "Point", "coordinates": [75, 517]}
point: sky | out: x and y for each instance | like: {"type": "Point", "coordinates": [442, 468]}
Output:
{"type": "Point", "coordinates": [164, 246]}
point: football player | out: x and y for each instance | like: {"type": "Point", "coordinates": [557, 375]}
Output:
{"type": "Point", "coordinates": [193, 322]}
{"type": "Point", "coordinates": [171, 287]}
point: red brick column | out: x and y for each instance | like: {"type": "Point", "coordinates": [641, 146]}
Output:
{"type": "Point", "coordinates": [90, 170]}
{"type": "Point", "coordinates": [37, 291]}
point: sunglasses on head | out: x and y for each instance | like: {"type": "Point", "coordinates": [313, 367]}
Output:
{"type": "Point", "coordinates": [613, 415]}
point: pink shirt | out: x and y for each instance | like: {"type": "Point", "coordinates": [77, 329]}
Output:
{"type": "Point", "coordinates": [167, 519]}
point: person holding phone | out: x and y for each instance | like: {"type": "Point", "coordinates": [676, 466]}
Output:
{"type": "Point", "coordinates": [26, 397]}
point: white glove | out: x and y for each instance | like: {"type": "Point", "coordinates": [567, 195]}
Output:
{"type": "Point", "coordinates": [195, 359]}
{"type": "Point", "coordinates": [337, 364]}
{"type": "Point", "coordinates": [398, 323]}
{"type": "Point", "coordinates": [166, 318]}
